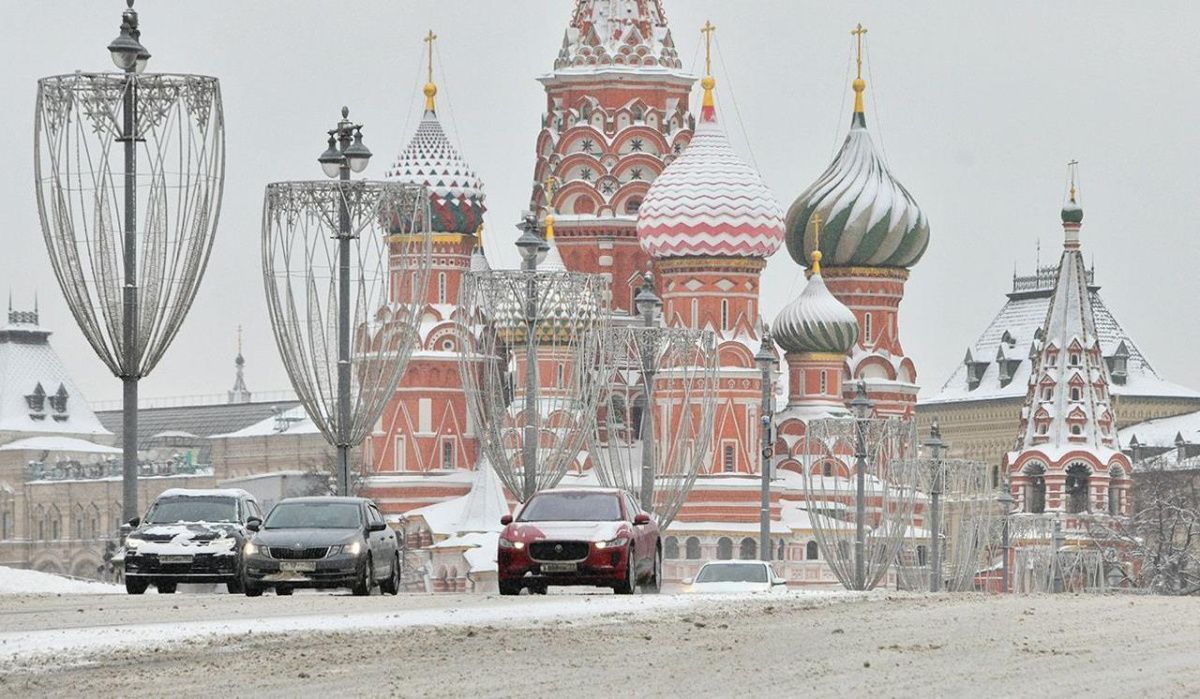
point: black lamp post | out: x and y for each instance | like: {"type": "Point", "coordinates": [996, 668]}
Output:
{"type": "Point", "coordinates": [647, 304]}
{"type": "Point", "coordinates": [862, 407]}
{"type": "Point", "coordinates": [936, 445]}
{"type": "Point", "coordinates": [1006, 503]}
{"type": "Point", "coordinates": [533, 250]}
{"type": "Point", "coordinates": [767, 360]}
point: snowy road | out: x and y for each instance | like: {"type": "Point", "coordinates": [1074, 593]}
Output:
{"type": "Point", "coordinates": [883, 645]}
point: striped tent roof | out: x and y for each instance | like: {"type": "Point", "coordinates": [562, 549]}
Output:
{"type": "Point", "coordinates": [456, 191]}
{"type": "Point", "coordinates": [709, 202]}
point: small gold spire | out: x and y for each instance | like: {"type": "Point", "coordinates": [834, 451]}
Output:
{"type": "Point", "coordinates": [548, 192]}
{"type": "Point", "coordinates": [816, 251]}
{"type": "Point", "coordinates": [430, 88]}
{"type": "Point", "coordinates": [1072, 168]}
{"type": "Point", "coordinates": [859, 84]}
{"type": "Point", "coordinates": [708, 83]}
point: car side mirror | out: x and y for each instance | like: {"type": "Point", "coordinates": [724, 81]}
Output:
{"type": "Point", "coordinates": [688, 581]}
{"type": "Point", "coordinates": [506, 520]}
{"type": "Point", "coordinates": [779, 581]}
{"type": "Point", "coordinates": [641, 518]}
{"type": "Point", "coordinates": [253, 524]}
{"type": "Point", "coordinates": [376, 526]}
{"type": "Point", "coordinates": [135, 522]}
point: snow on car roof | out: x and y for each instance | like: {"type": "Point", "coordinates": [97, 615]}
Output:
{"type": "Point", "coordinates": [205, 493]}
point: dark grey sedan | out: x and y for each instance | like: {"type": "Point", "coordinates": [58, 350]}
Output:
{"type": "Point", "coordinates": [322, 542]}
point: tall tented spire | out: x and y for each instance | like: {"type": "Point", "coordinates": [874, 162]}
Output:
{"type": "Point", "coordinates": [870, 218]}
{"type": "Point", "coordinates": [239, 393]}
{"type": "Point", "coordinates": [1068, 428]}
{"type": "Point", "coordinates": [429, 159]}
{"type": "Point", "coordinates": [617, 35]}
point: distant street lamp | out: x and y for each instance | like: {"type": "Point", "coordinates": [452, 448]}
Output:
{"type": "Point", "coordinates": [862, 407]}
{"type": "Point", "coordinates": [647, 304]}
{"type": "Point", "coordinates": [1006, 502]}
{"type": "Point", "coordinates": [936, 445]}
{"type": "Point", "coordinates": [129, 282]}
{"type": "Point", "coordinates": [767, 360]}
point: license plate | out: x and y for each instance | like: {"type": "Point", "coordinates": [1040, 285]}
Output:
{"type": "Point", "coordinates": [298, 566]}
{"type": "Point", "coordinates": [560, 567]}
{"type": "Point", "coordinates": [175, 559]}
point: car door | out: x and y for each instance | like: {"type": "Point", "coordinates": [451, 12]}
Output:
{"type": "Point", "coordinates": [381, 547]}
{"type": "Point", "coordinates": [644, 538]}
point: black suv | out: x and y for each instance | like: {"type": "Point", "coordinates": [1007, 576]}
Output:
{"type": "Point", "coordinates": [322, 542]}
{"type": "Point", "coordinates": [190, 536]}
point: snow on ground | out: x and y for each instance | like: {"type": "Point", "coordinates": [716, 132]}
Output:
{"type": "Point", "coordinates": [15, 581]}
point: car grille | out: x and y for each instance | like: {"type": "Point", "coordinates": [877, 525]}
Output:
{"type": "Point", "coordinates": [558, 550]}
{"type": "Point", "coordinates": [287, 554]}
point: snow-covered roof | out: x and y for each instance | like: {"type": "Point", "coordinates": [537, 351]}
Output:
{"type": "Point", "coordinates": [291, 421]}
{"type": "Point", "coordinates": [1163, 431]}
{"type": "Point", "coordinates": [1012, 331]}
{"type": "Point", "coordinates": [479, 510]}
{"type": "Point", "coordinates": [61, 444]}
{"type": "Point", "coordinates": [678, 527]}
{"type": "Point", "coordinates": [37, 395]}
{"type": "Point", "coordinates": [480, 552]}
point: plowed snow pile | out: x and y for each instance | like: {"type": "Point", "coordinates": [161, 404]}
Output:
{"type": "Point", "coordinates": [14, 581]}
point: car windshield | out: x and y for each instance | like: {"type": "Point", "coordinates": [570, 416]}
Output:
{"type": "Point", "coordinates": [733, 572]}
{"type": "Point", "coordinates": [193, 509]}
{"type": "Point", "coordinates": [574, 507]}
{"type": "Point", "coordinates": [314, 515]}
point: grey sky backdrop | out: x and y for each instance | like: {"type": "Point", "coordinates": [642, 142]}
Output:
{"type": "Point", "coordinates": [978, 107]}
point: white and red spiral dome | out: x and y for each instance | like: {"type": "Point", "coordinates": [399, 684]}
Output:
{"type": "Point", "coordinates": [710, 203]}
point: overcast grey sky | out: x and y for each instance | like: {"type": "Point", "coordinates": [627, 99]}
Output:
{"type": "Point", "coordinates": [978, 106]}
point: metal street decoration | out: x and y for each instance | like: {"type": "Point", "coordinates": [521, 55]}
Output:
{"type": "Point", "coordinates": [322, 290]}
{"type": "Point", "coordinates": [129, 169]}
{"type": "Point", "coordinates": [1047, 558]}
{"type": "Point", "coordinates": [859, 493]}
{"type": "Point", "coordinates": [960, 535]}
{"type": "Point", "coordinates": [531, 342]}
{"type": "Point", "coordinates": [656, 383]}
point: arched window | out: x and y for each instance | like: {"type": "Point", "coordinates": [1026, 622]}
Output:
{"type": "Point", "coordinates": [922, 555]}
{"type": "Point", "coordinates": [695, 313]}
{"type": "Point", "coordinates": [633, 204]}
{"type": "Point", "coordinates": [1077, 488]}
{"type": "Point", "coordinates": [827, 469]}
{"type": "Point", "coordinates": [1076, 429]}
{"type": "Point", "coordinates": [1074, 359]}
{"type": "Point", "coordinates": [867, 328]}
{"type": "Point", "coordinates": [724, 549]}
{"type": "Point", "coordinates": [1075, 393]}
{"type": "Point", "coordinates": [671, 548]}
{"type": "Point", "coordinates": [748, 550]}
{"type": "Point", "coordinates": [692, 548]}
{"type": "Point", "coordinates": [724, 314]}
{"type": "Point", "coordinates": [811, 552]}
{"type": "Point", "coordinates": [1035, 491]}
{"type": "Point", "coordinates": [441, 290]}
{"type": "Point", "coordinates": [560, 378]}
{"type": "Point", "coordinates": [1047, 393]}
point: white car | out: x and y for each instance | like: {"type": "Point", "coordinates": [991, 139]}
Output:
{"type": "Point", "coordinates": [735, 576]}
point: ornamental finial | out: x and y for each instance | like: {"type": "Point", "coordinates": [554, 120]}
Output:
{"type": "Point", "coordinates": [816, 252]}
{"type": "Point", "coordinates": [1072, 170]}
{"type": "Point", "coordinates": [430, 87]}
{"type": "Point", "coordinates": [548, 191]}
{"type": "Point", "coordinates": [859, 84]}
{"type": "Point", "coordinates": [708, 83]}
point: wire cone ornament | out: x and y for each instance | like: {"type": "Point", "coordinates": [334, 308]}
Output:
{"type": "Point", "coordinates": [80, 136]}
{"type": "Point", "coordinates": [968, 528]}
{"type": "Point", "coordinates": [675, 425]}
{"type": "Point", "coordinates": [888, 493]}
{"type": "Point", "coordinates": [389, 268]}
{"type": "Point", "coordinates": [559, 318]}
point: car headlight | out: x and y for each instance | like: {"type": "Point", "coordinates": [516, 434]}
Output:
{"type": "Point", "coordinates": [613, 543]}
{"type": "Point", "coordinates": [252, 549]}
{"type": "Point", "coordinates": [132, 543]}
{"type": "Point", "coordinates": [507, 544]}
{"type": "Point", "coordinates": [353, 549]}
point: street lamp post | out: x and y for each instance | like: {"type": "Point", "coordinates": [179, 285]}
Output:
{"type": "Point", "coordinates": [532, 248]}
{"type": "Point", "coordinates": [936, 445]}
{"type": "Point", "coordinates": [766, 360]}
{"type": "Point", "coordinates": [1006, 502]}
{"type": "Point", "coordinates": [345, 153]}
{"type": "Point", "coordinates": [862, 407]}
{"type": "Point", "coordinates": [647, 304]}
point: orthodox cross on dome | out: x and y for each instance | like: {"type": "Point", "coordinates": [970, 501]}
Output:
{"type": "Point", "coordinates": [707, 110]}
{"type": "Point", "coordinates": [1072, 171]}
{"type": "Point", "coordinates": [815, 222]}
{"type": "Point", "coordinates": [859, 84]}
{"type": "Point", "coordinates": [430, 87]}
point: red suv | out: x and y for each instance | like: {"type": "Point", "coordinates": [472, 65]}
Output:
{"type": "Point", "coordinates": [592, 536]}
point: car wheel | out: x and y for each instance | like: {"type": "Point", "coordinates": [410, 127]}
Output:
{"type": "Point", "coordinates": [509, 587]}
{"type": "Point", "coordinates": [627, 586]}
{"type": "Point", "coordinates": [539, 589]}
{"type": "Point", "coordinates": [284, 591]}
{"type": "Point", "coordinates": [237, 584]}
{"type": "Point", "coordinates": [392, 585]}
{"type": "Point", "coordinates": [366, 580]}
{"type": "Point", "coordinates": [166, 588]}
{"type": "Point", "coordinates": [655, 585]}
{"type": "Point", "coordinates": [251, 590]}
{"type": "Point", "coordinates": [136, 586]}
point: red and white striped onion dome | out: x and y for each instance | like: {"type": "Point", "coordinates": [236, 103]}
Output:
{"type": "Point", "coordinates": [709, 202]}
{"type": "Point", "coordinates": [457, 198]}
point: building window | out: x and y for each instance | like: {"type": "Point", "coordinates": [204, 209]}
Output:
{"type": "Point", "coordinates": [1041, 428]}
{"type": "Point", "coordinates": [1075, 393]}
{"type": "Point", "coordinates": [695, 313]}
{"type": "Point", "coordinates": [748, 549]}
{"type": "Point", "coordinates": [1074, 359]}
{"type": "Point", "coordinates": [671, 548]}
{"type": "Point", "coordinates": [1077, 488]}
{"type": "Point", "coordinates": [724, 549]}
{"type": "Point", "coordinates": [425, 415]}
{"type": "Point", "coordinates": [560, 377]}
{"type": "Point", "coordinates": [824, 383]}
{"type": "Point", "coordinates": [441, 291]}
{"type": "Point", "coordinates": [922, 555]}
{"type": "Point", "coordinates": [724, 314]}
{"type": "Point", "coordinates": [447, 454]}
{"type": "Point", "coordinates": [729, 458]}
{"type": "Point", "coordinates": [1035, 494]}
{"type": "Point", "coordinates": [399, 456]}
{"type": "Point", "coordinates": [827, 469]}
{"type": "Point", "coordinates": [1076, 430]}
{"type": "Point", "coordinates": [811, 552]}
{"type": "Point", "coordinates": [867, 328]}
{"type": "Point", "coordinates": [692, 548]}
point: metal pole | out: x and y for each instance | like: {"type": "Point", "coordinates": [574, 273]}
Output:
{"type": "Point", "coordinates": [860, 505]}
{"type": "Point", "coordinates": [935, 445]}
{"type": "Point", "coordinates": [764, 512]}
{"type": "Point", "coordinates": [647, 430]}
{"type": "Point", "coordinates": [1056, 543]}
{"type": "Point", "coordinates": [1004, 544]}
{"type": "Point", "coordinates": [530, 445]}
{"type": "Point", "coordinates": [343, 366]}
{"type": "Point", "coordinates": [129, 309]}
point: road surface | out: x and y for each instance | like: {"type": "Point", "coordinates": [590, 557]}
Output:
{"type": "Point", "coordinates": [882, 644]}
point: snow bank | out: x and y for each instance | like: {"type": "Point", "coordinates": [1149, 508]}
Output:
{"type": "Point", "coordinates": [14, 581]}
